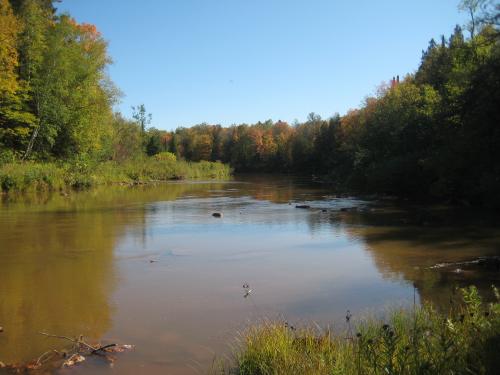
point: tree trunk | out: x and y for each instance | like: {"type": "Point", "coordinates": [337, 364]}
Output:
{"type": "Point", "coordinates": [33, 135]}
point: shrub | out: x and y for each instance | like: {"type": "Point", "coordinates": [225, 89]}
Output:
{"type": "Point", "coordinates": [165, 156]}
{"type": "Point", "coordinates": [7, 156]}
{"type": "Point", "coordinates": [31, 177]}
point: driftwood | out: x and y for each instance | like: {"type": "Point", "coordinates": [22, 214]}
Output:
{"type": "Point", "coordinates": [54, 359]}
{"type": "Point", "coordinates": [102, 348]}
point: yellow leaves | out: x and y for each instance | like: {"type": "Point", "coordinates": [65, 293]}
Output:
{"type": "Point", "coordinates": [166, 156]}
{"type": "Point", "coordinates": [9, 30]}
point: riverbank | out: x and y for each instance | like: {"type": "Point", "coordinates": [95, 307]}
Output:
{"type": "Point", "coordinates": [62, 176]}
{"type": "Point", "coordinates": [467, 341]}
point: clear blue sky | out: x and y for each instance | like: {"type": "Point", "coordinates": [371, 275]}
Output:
{"type": "Point", "coordinates": [235, 61]}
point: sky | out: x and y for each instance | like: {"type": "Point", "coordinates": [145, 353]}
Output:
{"type": "Point", "coordinates": [243, 61]}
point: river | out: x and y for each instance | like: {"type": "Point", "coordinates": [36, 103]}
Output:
{"type": "Point", "coordinates": [150, 266]}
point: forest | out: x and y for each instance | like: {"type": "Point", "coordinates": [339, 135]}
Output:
{"type": "Point", "coordinates": [432, 134]}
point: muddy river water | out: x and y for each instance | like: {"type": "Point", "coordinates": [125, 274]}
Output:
{"type": "Point", "coordinates": [150, 266]}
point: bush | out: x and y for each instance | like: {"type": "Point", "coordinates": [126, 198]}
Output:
{"type": "Point", "coordinates": [7, 156]}
{"type": "Point", "coordinates": [31, 177]}
{"type": "Point", "coordinates": [165, 156]}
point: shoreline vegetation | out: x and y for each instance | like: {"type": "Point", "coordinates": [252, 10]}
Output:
{"type": "Point", "coordinates": [22, 177]}
{"type": "Point", "coordinates": [415, 341]}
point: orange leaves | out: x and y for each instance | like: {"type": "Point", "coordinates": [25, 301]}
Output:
{"type": "Point", "coordinates": [166, 139]}
{"type": "Point", "coordinates": [84, 28]}
{"type": "Point", "coordinates": [89, 30]}
{"type": "Point", "coordinates": [89, 35]}
{"type": "Point", "coordinates": [263, 142]}
{"type": "Point", "coordinates": [86, 33]}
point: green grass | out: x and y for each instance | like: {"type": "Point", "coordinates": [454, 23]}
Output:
{"type": "Point", "coordinates": [79, 174]}
{"type": "Point", "coordinates": [467, 341]}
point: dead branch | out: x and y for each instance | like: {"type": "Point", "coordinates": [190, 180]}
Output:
{"type": "Point", "coordinates": [78, 341]}
{"type": "Point", "coordinates": [102, 348]}
{"type": "Point", "coordinates": [72, 357]}
{"type": "Point", "coordinates": [39, 360]}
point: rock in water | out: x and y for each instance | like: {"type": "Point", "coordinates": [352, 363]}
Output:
{"type": "Point", "coordinates": [217, 214]}
{"type": "Point", "coordinates": [348, 209]}
{"type": "Point", "coordinates": [302, 206]}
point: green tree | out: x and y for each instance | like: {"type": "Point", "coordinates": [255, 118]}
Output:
{"type": "Point", "coordinates": [126, 139]}
{"type": "Point", "coordinates": [71, 93]}
{"type": "Point", "coordinates": [153, 144]}
{"type": "Point", "coordinates": [141, 116]}
{"type": "Point", "coordinates": [47, 5]}
{"type": "Point", "coordinates": [15, 117]}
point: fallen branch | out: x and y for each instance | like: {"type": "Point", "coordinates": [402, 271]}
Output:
{"type": "Point", "coordinates": [56, 359]}
{"type": "Point", "coordinates": [75, 341]}
{"type": "Point", "coordinates": [38, 362]}
{"type": "Point", "coordinates": [102, 348]}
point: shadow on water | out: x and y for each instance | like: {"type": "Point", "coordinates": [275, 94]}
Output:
{"type": "Point", "coordinates": [435, 248]}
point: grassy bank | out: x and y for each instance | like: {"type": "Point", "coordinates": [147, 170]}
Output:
{"type": "Point", "coordinates": [35, 176]}
{"type": "Point", "coordinates": [420, 342]}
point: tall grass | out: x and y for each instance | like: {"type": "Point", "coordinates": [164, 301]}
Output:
{"type": "Point", "coordinates": [467, 341]}
{"type": "Point", "coordinates": [32, 177]}
{"type": "Point", "coordinates": [78, 174]}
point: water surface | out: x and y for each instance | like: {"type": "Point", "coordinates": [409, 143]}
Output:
{"type": "Point", "coordinates": [150, 266]}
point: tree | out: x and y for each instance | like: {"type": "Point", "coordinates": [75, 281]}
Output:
{"type": "Point", "coordinates": [154, 142]}
{"type": "Point", "coordinates": [202, 147]}
{"type": "Point", "coordinates": [9, 30]}
{"type": "Point", "coordinates": [491, 16]}
{"type": "Point", "coordinates": [143, 119]}
{"type": "Point", "coordinates": [32, 40]}
{"type": "Point", "coordinates": [126, 139]}
{"type": "Point", "coordinates": [71, 94]}
{"type": "Point", "coordinates": [472, 7]}
{"type": "Point", "coordinates": [15, 118]}
{"type": "Point", "coordinates": [47, 5]}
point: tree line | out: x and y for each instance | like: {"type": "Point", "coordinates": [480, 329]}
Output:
{"type": "Point", "coordinates": [434, 133]}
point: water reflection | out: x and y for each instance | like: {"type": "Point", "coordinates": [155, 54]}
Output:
{"type": "Point", "coordinates": [402, 246]}
{"type": "Point", "coordinates": [83, 264]}
{"type": "Point", "coordinates": [56, 276]}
